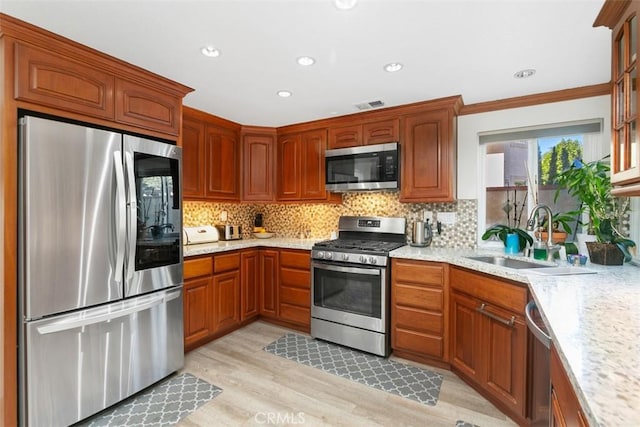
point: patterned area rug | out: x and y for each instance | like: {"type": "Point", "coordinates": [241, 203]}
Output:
{"type": "Point", "coordinates": [162, 405]}
{"type": "Point", "coordinates": [461, 423]}
{"type": "Point", "coordinates": [387, 375]}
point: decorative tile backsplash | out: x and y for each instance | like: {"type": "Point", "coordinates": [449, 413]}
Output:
{"type": "Point", "coordinates": [319, 220]}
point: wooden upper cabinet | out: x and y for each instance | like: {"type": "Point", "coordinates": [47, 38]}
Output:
{"type": "Point", "coordinates": [258, 162]}
{"type": "Point", "coordinates": [625, 161]}
{"type": "Point", "coordinates": [221, 150]}
{"type": "Point", "coordinates": [345, 136]}
{"type": "Point", "coordinates": [289, 170]}
{"type": "Point", "coordinates": [192, 158]}
{"type": "Point", "coordinates": [377, 132]}
{"type": "Point", "coordinates": [428, 157]}
{"type": "Point", "coordinates": [55, 81]}
{"type": "Point", "coordinates": [381, 131]}
{"type": "Point", "coordinates": [313, 172]}
{"type": "Point", "coordinates": [147, 108]}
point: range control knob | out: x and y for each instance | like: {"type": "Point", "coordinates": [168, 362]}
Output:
{"type": "Point", "coordinates": [328, 255]}
{"type": "Point", "coordinates": [319, 254]}
{"type": "Point", "coordinates": [363, 259]}
{"type": "Point", "coordinates": [373, 260]}
{"type": "Point", "coordinates": [345, 257]}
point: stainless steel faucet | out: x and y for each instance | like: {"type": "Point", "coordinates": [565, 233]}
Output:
{"type": "Point", "coordinates": [552, 248]}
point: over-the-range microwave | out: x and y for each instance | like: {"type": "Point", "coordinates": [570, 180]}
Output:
{"type": "Point", "coordinates": [367, 167]}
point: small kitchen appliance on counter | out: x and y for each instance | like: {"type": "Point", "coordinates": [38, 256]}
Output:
{"type": "Point", "coordinates": [350, 283]}
{"type": "Point", "coordinates": [200, 234]}
{"type": "Point", "coordinates": [229, 232]}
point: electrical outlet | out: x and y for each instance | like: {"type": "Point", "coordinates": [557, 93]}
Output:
{"type": "Point", "coordinates": [427, 216]}
{"type": "Point", "coordinates": [223, 216]}
{"type": "Point", "coordinates": [447, 218]}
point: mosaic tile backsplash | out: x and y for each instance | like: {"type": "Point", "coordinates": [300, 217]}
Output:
{"type": "Point", "coordinates": [319, 220]}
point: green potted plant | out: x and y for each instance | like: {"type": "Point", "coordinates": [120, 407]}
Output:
{"type": "Point", "coordinates": [590, 183]}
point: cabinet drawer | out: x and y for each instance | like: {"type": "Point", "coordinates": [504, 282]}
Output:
{"type": "Point", "coordinates": [295, 314]}
{"type": "Point", "coordinates": [198, 267]}
{"type": "Point", "coordinates": [300, 260]}
{"type": "Point", "coordinates": [48, 79]}
{"type": "Point", "coordinates": [226, 262]}
{"type": "Point", "coordinates": [295, 296]}
{"type": "Point", "coordinates": [418, 342]}
{"type": "Point", "coordinates": [422, 272]}
{"type": "Point", "coordinates": [510, 296]}
{"type": "Point", "coordinates": [408, 318]}
{"type": "Point", "coordinates": [425, 298]}
{"type": "Point", "coordinates": [298, 278]}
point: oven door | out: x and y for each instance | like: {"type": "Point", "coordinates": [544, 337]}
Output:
{"type": "Point", "coordinates": [350, 295]}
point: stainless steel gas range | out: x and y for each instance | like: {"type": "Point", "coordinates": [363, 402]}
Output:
{"type": "Point", "coordinates": [350, 283]}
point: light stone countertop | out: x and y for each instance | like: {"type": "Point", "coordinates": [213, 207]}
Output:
{"type": "Point", "coordinates": [593, 319]}
{"type": "Point", "coordinates": [594, 322]}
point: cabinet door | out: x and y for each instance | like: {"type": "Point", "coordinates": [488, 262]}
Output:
{"type": "Point", "coordinates": [226, 300]}
{"type": "Point", "coordinates": [47, 79]}
{"type": "Point", "coordinates": [192, 158]}
{"type": "Point", "coordinates": [250, 278]}
{"type": "Point", "coordinates": [466, 344]}
{"type": "Point", "coordinates": [269, 267]}
{"type": "Point", "coordinates": [565, 407]}
{"type": "Point", "coordinates": [147, 108]}
{"type": "Point", "coordinates": [381, 131]}
{"type": "Point", "coordinates": [258, 161]}
{"type": "Point", "coordinates": [428, 158]}
{"type": "Point", "coordinates": [505, 338]}
{"type": "Point", "coordinates": [197, 310]}
{"type": "Point", "coordinates": [289, 167]}
{"type": "Point", "coordinates": [222, 164]}
{"type": "Point", "coordinates": [345, 136]}
{"type": "Point", "coordinates": [312, 163]}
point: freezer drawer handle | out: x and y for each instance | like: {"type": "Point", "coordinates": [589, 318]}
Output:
{"type": "Point", "coordinates": [490, 315]}
{"type": "Point", "coordinates": [89, 319]}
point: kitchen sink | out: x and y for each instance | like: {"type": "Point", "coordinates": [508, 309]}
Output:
{"type": "Point", "coordinates": [508, 262]}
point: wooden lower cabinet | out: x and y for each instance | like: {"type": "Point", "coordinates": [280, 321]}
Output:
{"type": "Point", "coordinates": [565, 408]}
{"type": "Point", "coordinates": [489, 338]}
{"type": "Point", "coordinates": [226, 300]}
{"type": "Point", "coordinates": [419, 310]}
{"type": "Point", "coordinates": [294, 291]}
{"type": "Point", "coordinates": [269, 272]}
{"type": "Point", "coordinates": [196, 301]}
{"type": "Point", "coordinates": [250, 284]}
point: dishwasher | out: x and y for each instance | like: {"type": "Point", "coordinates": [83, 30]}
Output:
{"type": "Point", "coordinates": [539, 373]}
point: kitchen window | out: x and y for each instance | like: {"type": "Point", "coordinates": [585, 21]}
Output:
{"type": "Point", "coordinates": [517, 166]}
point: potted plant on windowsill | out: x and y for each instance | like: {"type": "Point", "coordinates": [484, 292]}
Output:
{"type": "Point", "coordinates": [502, 231]}
{"type": "Point", "coordinates": [591, 184]}
{"type": "Point", "coordinates": [561, 225]}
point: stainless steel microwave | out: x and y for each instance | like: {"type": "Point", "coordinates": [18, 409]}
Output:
{"type": "Point", "coordinates": [367, 167]}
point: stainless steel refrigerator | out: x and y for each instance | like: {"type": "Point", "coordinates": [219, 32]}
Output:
{"type": "Point", "coordinates": [100, 268]}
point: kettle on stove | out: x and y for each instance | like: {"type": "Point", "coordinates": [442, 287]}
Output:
{"type": "Point", "coordinates": [422, 233]}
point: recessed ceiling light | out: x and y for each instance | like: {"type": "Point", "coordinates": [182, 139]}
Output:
{"type": "Point", "coordinates": [523, 74]}
{"type": "Point", "coordinates": [306, 60]}
{"type": "Point", "coordinates": [393, 67]}
{"type": "Point", "coordinates": [345, 4]}
{"type": "Point", "coordinates": [210, 51]}
{"type": "Point", "coordinates": [284, 93]}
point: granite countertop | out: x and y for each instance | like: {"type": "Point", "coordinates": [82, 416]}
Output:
{"type": "Point", "coordinates": [593, 319]}
{"type": "Point", "coordinates": [594, 322]}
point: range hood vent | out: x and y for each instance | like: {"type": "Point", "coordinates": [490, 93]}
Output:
{"type": "Point", "coordinates": [369, 105]}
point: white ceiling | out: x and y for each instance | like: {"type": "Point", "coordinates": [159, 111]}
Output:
{"type": "Point", "coordinates": [448, 47]}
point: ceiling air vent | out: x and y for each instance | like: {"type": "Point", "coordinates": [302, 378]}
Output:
{"type": "Point", "coordinates": [369, 105]}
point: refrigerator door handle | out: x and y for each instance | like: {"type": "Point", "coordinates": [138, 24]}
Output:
{"type": "Point", "coordinates": [120, 215]}
{"type": "Point", "coordinates": [101, 314]}
{"type": "Point", "coordinates": [133, 214]}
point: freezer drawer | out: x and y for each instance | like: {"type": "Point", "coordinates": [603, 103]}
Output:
{"type": "Point", "coordinates": [81, 363]}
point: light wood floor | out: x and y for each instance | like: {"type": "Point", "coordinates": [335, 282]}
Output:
{"type": "Point", "coordinates": [261, 389]}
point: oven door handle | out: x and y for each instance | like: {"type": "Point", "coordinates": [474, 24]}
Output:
{"type": "Point", "coordinates": [342, 269]}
